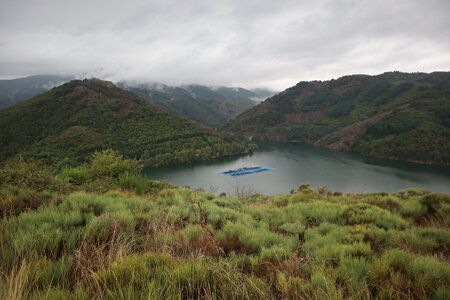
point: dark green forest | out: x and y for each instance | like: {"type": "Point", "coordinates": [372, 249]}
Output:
{"type": "Point", "coordinates": [64, 125]}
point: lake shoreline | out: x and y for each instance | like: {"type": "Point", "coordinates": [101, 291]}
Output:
{"type": "Point", "coordinates": [367, 155]}
{"type": "Point", "coordinates": [298, 163]}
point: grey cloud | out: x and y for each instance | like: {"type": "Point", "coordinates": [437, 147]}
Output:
{"type": "Point", "coordinates": [243, 43]}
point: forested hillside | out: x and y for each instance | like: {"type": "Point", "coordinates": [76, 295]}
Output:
{"type": "Point", "coordinates": [392, 115]}
{"type": "Point", "coordinates": [64, 125]}
{"type": "Point", "coordinates": [206, 105]}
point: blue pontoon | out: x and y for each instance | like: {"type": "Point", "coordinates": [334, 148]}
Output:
{"type": "Point", "coordinates": [246, 171]}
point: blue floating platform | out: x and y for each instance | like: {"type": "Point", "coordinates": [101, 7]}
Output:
{"type": "Point", "coordinates": [246, 171]}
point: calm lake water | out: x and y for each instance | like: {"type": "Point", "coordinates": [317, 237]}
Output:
{"type": "Point", "coordinates": [296, 164]}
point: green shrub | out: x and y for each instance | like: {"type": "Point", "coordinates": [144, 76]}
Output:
{"type": "Point", "coordinates": [275, 253]}
{"type": "Point", "coordinates": [14, 201]}
{"type": "Point", "coordinates": [441, 293]}
{"type": "Point", "coordinates": [56, 229]}
{"type": "Point", "coordinates": [241, 238]}
{"type": "Point", "coordinates": [78, 175]}
{"type": "Point", "coordinates": [323, 284]}
{"type": "Point", "coordinates": [29, 174]}
{"type": "Point", "coordinates": [218, 216]}
{"type": "Point", "coordinates": [191, 232]}
{"type": "Point", "coordinates": [291, 287]}
{"type": "Point", "coordinates": [417, 192]}
{"type": "Point", "coordinates": [155, 186]}
{"type": "Point", "coordinates": [110, 226]}
{"type": "Point", "coordinates": [134, 182]}
{"type": "Point", "coordinates": [413, 209]}
{"type": "Point", "coordinates": [159, 276]}
{"type": "Point", "coordinates": [399, 273]}
{"type": "Point", "coordinates": [363, 213]}
{"type": "Point", "coordinates": [293, 228]}
{"type": "Point", "coordinates": [281, 200]}
{"type": "Point", "coordinates": [424, 240]}
{"type": "Point", "coordinates": [353, 272]}
{"type": "Point", "coordinates": [436, 204]}
{"type": "Point", "coordinates": [314, 213]}
{"type": "Point", "coordinates": [330, 243]}
{"type": "Point", "coordinates": [37, 234]}
{"type": "Point", "coordinates": [109, 163]}
{"type": "Point", "coordinates": [45, 273]}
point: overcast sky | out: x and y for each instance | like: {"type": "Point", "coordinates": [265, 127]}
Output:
{"type": "Point", "coordinates": [261, 43]}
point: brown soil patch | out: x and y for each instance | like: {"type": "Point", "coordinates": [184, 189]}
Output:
{"type": "Point", "coordinates": [296, 118]}
{"type": "Point", "coordinates": [345, 137]}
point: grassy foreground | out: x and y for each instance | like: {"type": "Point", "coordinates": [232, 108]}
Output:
{"type": "Point", "coordinates": [102, 231]}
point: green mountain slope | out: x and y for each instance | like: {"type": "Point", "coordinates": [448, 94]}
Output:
{"type": "Point", "coordinates": [65, 124]}
{"type": "Point", "coordinates": [182, 105]}
{"type": "Point", "coordinates": [206, 105]}
{"type": "Point", "coordinates": [393, 115]}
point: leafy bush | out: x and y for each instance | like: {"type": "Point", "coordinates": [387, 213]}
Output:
{"type": "Point", "coordinates": [109, 163]}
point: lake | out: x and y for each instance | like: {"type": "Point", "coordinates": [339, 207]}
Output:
{"type": "Point", "coordinates": [297, 163]}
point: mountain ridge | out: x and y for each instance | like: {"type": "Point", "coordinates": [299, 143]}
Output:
{"type": "Point", "coordinates": [211, 106]}
{"type": "Point", "coordinates": [62, 126]}
{"type": "Point", "coordinates": [403, 116]}
{"type": "Point", "coordinates": [16, 90]}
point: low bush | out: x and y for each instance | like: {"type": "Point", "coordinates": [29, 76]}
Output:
{"type": "Point", "coordinates": [159, 276]}
{"type": "Point", "coordinates": [402, 275]}
{"type": "Point", "coordinates": [29, 174]}
{"type": "Point", "coordinates": [14, 201]}
{"type": "Point", "coordinates": [109, 163]}
{"type": "Point", "coordinates": [56, 229]}
{"type": "Point", "coordinates": [133, 182]}
{"type": "Point", "coordinates": [78, 175]}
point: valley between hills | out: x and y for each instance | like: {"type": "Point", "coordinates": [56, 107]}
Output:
{"type": "Point", "coordinates": [79, 221]}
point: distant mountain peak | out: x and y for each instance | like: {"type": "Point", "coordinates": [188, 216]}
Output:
{"type": "Point", "coordinates": [97, 81]}
{"type": "Point", "coordinates": [211, 106]}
